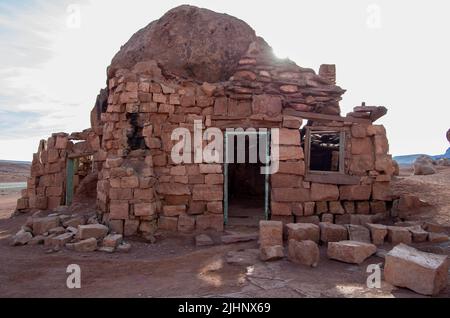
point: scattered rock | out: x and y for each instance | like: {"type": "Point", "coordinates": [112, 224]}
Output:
{"type": "Point", "coordinates": [350, 251]}
{"type": "Point", "coordinates": [38, 239]}
{"type": "Point", "coordinates": [303, 232]}
{"type": "Point", "coordinates": [88, 245]}
{"type": "Point", "coordinates": [358, 233]}
{"type": "Point", "coordinates": [203, 240]}
{"type": "Point", "coordinates": [437, 237]}
{"type": "Point", "coordinates": [74, 222]}
{"type": "Point", "coordinates": [21, 238]}
{"type": "Point", "coordinates": [60, 240]}
{"type": "Point", "coordinates": [124, 247]}
{"type": "Point", "coordinates": [378, 233]}
{"type": "Point", "coordinates": [42, 225]}
{"type": "Point", "coordinates": [424, 273]}
{"type": "Point", "coordinates": [304, 252]}
{"type": "Point", "coordinates": [332, 232]}
{"type": "Point", "coordinates": [272, 253]}
{"type": "Point", "coordinates": [112, 240]}
{"type": "Point", "coordinates": [72, 230]}
{"type": "Point", "coordinates": [97, 231]}
{"type": "Point", "coordinates": [397, 235]}
{"type": "Point", "coordinates": [270, 233]}
{"type": "Point", "coordinates": [237, 238]}
{"type": "Point", "coordinates": [57, 230]}
{"type": "Point", "coordinates": [106, 249]}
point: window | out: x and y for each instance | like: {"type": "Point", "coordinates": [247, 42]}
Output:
{"type": "Point", "coordinates": [324, 150]}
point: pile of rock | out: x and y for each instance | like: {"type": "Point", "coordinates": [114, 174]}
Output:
{"type": "Point", "coordinates": [73, 232]}
{"type": "Point", "coordinates": [405, 266]}
{"type": "Point", "coordinates": [348, 243]}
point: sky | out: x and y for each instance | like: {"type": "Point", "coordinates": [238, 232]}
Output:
{"type": "Point", "coordinates": [54, 55]}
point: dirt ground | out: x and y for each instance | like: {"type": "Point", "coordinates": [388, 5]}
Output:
{"type": "Point", "coordinates": [174, 267]}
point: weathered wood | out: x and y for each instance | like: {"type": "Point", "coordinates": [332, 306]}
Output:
{"type": "Point", "coordinates": [323, 117]}
{"type": "Point", "coordinates": [331, 178]}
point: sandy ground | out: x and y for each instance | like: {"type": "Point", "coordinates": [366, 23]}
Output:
{"type": "Point", "coordinates": [174, 267]}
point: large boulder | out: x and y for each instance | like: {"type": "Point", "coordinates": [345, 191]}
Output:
{"type": "Point", "coordinates": [424, 165]}
{"type": "Point", "coordinates": [189, 42]}
{"type": "Point", "coordinates": [424, 273]}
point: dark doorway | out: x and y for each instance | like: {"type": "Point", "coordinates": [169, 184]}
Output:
{"type": "Point", "coordinates": [246, 185]}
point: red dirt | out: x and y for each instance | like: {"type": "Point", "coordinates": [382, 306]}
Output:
{"type": "Point", "coordinates": [175, 267]}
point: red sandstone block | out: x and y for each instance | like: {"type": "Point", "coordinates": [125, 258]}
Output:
{"type": "Point", "coordinates": [118, 210]}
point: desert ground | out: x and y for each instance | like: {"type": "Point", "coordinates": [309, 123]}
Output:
{"type": "Point", "coordinates": [175, 267]}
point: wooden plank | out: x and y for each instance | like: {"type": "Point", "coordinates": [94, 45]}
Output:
{"type": "Point", "coordinates": [324, 117]}
{"type": "Point", "coordinates": [331, 178]}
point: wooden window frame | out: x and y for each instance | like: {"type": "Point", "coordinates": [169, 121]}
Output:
{"type": "Point", "coordinates": [330, 177]}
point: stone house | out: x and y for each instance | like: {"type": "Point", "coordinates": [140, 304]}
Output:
{"type": "Point", "coordinates": [332, 167]}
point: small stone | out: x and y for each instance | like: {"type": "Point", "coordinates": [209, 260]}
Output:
{"type": "Point", "coordinates": [106, 249]}
{"type": "Point", "coordinates": [88, 245]}
{"type": "Point", "coordinates": [424, 273]}
{"type": "Point", "coordinates": [352, 252]}
{"type": "Point", "coordinates": [437, 237]}
{"type": "Point", "coordinates": [71, 229]}
{"type": "Point", "coordinates": [304, 252]}
{"type": "Point", "coordinates": [21, 238]}
{"type": "Point", "coordinates": [272, 253]}
{"type": "Point", "coordinates": [38, 239]}
{"type": "Point", "coordinates": [112, 240]}
{"type": "Point", "coordinates": [203, 240]}
{"type": "Point", "coordinates": [124, 247]}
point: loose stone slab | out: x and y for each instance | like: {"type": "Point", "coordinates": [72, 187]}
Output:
{"type": "Point", "coordinates": [303, 232]}
{"type": "Point", "coordinates": [352, 252]}
{"type": "Point", "coordinates": [424, 273]}
{"type": "Point", "coordinates": [358, 233]}
{"type": "Point", "coordinates": [397, 235]}
{"type": "Point", "coordinates": [270, 233]}
{"type": "Point", "coordinates": [378, 233]}
{"type": "Point", "coordinates": [304, 252]}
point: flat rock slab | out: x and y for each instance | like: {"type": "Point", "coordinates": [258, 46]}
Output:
{"type": "Point", "coordinates": [203, 240]}
{"type": "Point", "coordinates": [97, 231]}
{"type": "Point", "coordinates": [42, 225]}
{"type": "Point", "coordinates": [424, 273]}
{"type": "Point", "coordinates": [238, 238]}
{"type": "Point", "coordinates": [352, 252]}
{"type": "Point", "coordinates": [242, 258]}
{"type": "Point", "coordinates": [272, 253]}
